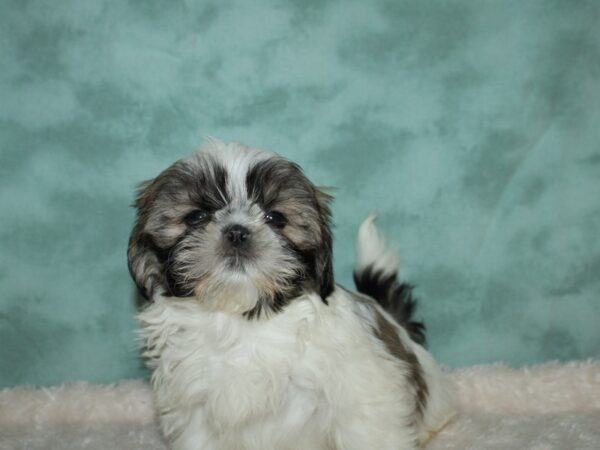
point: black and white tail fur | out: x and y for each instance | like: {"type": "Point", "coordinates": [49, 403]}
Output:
{"type": "Point", "coordinates": [376, 275]}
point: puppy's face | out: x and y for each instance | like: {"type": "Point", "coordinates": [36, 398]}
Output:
{"type": "Point", "coordinates": [238, 229]}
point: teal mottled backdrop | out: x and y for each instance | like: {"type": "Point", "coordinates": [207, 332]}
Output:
{"type": "Point", "coordinates": [473, 127]}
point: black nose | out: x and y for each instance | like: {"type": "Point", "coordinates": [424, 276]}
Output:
{"type": "Point", "coordinates": [237, 234]}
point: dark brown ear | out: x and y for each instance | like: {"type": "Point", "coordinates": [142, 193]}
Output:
{"type": "Point", "coordinates": [144, 258]}
{"type": "Point", "coordinates": [324, 254]}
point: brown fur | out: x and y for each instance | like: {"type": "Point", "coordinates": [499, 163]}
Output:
{"type": "Point", "coordinates": [387, 333]}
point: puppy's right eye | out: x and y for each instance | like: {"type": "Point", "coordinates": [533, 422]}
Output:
{"type": "Point", "coordinates": [195, 217]}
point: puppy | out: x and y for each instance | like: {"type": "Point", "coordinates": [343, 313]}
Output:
{"type": "Point", "coordinates": [252, 344]}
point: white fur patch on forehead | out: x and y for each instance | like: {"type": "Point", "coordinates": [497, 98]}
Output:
{"type": "Point", "coordinates": [236, 158]}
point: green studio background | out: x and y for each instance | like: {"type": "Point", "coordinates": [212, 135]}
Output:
{"type": "Point", "coordinates": [471, 126]}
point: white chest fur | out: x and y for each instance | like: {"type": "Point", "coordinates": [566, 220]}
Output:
{"type": "Point", "coordinates": [312, 377]}
{"type": "Point", "coordinates": [216, 372]}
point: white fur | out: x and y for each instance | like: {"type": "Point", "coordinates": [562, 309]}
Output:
{"type": "Point", "coordinates": [372, 251]}
{"type": "Point", "coordinates": [237, 159]}
{"type": "Point", "coordinates": [312, 377]}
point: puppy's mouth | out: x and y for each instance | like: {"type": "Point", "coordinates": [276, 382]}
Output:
{"type": "Point", "coordinates": [237, 259]}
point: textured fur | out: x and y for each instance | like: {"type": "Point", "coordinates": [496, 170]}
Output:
{"type": "Point", "coordinates": [291, 382]}
{"type": "Point", "coordinates": [256, 347]}
{"type": "Point", "coordinates": [233, 184]}
{"type": "Point", "coordinates": [376, 275]}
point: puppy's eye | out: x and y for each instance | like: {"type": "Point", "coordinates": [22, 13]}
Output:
{"type": "Point", "coordinates": [195, 217]}
{"type": "Point", "coordinates": [276, 219]}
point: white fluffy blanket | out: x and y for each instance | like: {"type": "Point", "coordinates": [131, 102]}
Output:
{"type": "Point", "coordinates": [551, 406]}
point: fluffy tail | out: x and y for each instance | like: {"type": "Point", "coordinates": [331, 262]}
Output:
{"type": "Point", "coordinates": [376, 275]}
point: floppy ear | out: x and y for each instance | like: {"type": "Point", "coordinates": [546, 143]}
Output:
{"type": "Point", "coordinates": [324, 254]}
{"type": "Point", "coordinates": [145, 260]}
{"type": "Point", "coordinates": [144, 263]}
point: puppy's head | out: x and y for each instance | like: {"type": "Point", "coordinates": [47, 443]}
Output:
{"type": "Point", "coordinates": [238, 229]}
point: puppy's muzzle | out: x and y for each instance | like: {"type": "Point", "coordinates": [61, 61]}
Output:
{"type": "Point", "coordinates": [237, 235]}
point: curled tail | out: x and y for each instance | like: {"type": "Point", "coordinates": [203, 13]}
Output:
{"type": "Point", "coordinates": [376, 275]}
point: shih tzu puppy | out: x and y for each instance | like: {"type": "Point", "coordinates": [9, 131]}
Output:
{"type": "Point", "coordinates": [252, 344]}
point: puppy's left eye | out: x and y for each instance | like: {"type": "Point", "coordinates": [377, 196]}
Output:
{"type": "Point", "coordinates": [195, 217]}
{"type": "Point", "coordinates": [276, 219]}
